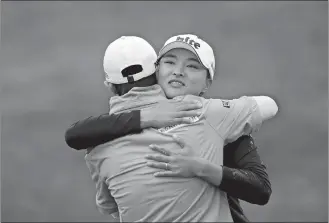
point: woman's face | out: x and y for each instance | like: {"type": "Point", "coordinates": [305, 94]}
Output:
{"type": "Point", "coordinates": [180, 73]}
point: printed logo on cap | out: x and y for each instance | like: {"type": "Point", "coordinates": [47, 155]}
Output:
{"type": "Point", "coordinates": [191, 42]}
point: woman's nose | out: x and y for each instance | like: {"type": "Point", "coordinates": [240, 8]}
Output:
{"type": "Point", "coordinates": [179, 71]}
{"type": "Point", "coordinates": [178, 74]}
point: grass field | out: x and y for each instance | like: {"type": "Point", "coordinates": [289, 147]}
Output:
{"type": "Point", "coordinates": [51, 76]}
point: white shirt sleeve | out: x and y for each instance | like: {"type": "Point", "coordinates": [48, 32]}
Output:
{"type": "Point", "coordinates": [234, 118]}
{"type": "Point", "coordinates": [267, 107]}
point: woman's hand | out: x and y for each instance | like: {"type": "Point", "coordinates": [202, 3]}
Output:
{"type": "Point", "coordinates": [179, 164]}
{"type": "Point", "coordinates": [170, 112]}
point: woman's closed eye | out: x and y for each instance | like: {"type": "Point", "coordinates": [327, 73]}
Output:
{"type": "Point", "coordinates": [169, 62]}
{"type": "Point", "coordinates": [193, 66]}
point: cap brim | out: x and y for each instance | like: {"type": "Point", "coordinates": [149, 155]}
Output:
{"type": "Point", "coordinates": [176, 45]}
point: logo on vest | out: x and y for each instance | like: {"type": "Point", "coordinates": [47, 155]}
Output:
{"type": "Point", "coordinates": [226, 104]}
{"type": "Point", "coordinates": [193, 43]}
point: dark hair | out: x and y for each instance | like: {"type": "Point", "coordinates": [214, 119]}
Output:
{"type": "Point", "coordinates": [121, 89]}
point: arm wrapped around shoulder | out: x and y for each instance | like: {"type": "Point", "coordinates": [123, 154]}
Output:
{"type": "Point", "coordinates": [267, 106]}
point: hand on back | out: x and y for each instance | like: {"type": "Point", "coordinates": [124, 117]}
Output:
{"type": "Point", "coordinates": [170, 112]}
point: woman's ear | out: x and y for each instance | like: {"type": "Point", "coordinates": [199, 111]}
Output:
{"type": "Point", "coordinates": [208, 83]}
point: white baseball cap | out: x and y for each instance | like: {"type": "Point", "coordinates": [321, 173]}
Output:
{"type": "Point", "coordinates": [193, 43]}
{"type": "Point", "coordinates": [129, 59]}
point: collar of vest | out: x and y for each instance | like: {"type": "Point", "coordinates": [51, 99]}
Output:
{"type": "Point", "coordinates": [136, 97]}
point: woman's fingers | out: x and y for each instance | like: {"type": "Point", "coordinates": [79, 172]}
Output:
{"type": "Point", "coordinates": [179, 140]}
{"type": "Point", "coordinates": [160, 150]}
{"type": "Point", "coordinates": [165, 174]}
{"type": "Point", "coordinates": [158, 158]}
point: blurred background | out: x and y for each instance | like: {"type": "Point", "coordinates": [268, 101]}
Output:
{"type": "Point", "coordinates": [52, 76]}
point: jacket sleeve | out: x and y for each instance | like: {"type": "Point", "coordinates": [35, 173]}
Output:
{"type": "Point", "coordinates": [94, 131]}
{"type": "Point", "coordinates": [244, 174]}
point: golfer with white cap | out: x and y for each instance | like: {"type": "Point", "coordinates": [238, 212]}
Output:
{"type": "Point", "coordinates": [124, 182]}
